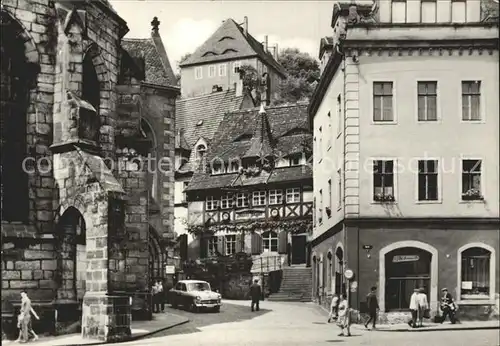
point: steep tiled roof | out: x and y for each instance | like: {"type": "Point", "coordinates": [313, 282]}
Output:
{"type": "Point", "coordinates": [260, 144]}
{"type": "Point", "coordinates": [158, 70]}
{"type": "Point", "coordinates": [229, 42]}
{"type": "Point", "coordinates": [200, 116]}
{"type": "Point", "coordinates": [289, 130]}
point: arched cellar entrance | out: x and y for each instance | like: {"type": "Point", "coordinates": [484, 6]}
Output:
{"type": "Point", "coordinates": [156, 267]}
{"type": "Point", "coordinates": [406, 269]}
{"type": "Point", "coordinates": [72, 255]}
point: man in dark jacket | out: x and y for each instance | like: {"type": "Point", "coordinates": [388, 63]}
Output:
{"type": "Point", "coordinates": [372, 304]}
{"type": "Point", "coordinates": [255, 294]}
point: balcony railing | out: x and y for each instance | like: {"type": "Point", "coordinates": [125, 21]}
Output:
{"type": "Point", "coordinates": [266, 264]}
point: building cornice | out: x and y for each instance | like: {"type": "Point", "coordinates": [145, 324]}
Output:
{"type": "Point", "coordinates": [172, 89]}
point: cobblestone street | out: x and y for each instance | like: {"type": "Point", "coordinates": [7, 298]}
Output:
{"type": "Point", "coordinates": [295, 324]}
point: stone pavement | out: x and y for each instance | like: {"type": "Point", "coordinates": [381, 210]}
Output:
{"type": "Point", "coordinates": [140, 329]}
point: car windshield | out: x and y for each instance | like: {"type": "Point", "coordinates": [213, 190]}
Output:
{"type": "Point", "coordinates": [199, 286]}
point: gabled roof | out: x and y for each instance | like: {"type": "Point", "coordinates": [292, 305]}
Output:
{"type": "Point", "coordinates": [200, 116]}
{"type": "Point", "coordinates": [158, 70]}
{"type": "Point", "coordinates": [229, 42]}
{"type": "Point", "coordinates": [226, 145]}
{"type": "Point", "coordinates": [260, 144]}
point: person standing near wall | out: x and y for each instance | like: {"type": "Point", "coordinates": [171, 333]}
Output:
{"type": "Point", "coordinates": [255, 294]}
{"type": "Point", "coordinates": [372, 302]}
{"type": "Point", "coordinates": [24, 320]}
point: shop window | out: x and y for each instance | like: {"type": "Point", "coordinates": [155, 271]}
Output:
{"type": "Point", "coordinates": [475, 275]}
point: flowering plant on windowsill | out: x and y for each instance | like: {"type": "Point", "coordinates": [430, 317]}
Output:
{"type": "Point", "coordinates": [383, 198]}
{"type": "Point", "coordinates": [472, 195]}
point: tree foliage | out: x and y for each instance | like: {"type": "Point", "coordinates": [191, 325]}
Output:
{"type": "Point", "coordinates": [303, 75]}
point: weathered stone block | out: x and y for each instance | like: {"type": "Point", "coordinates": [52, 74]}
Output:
{"type": "Point", "coordinates": [23, 284]}
{"type": "Point", "coordinates": [10, 275]}
{"type": "Point", "coordinates": [49, 265]}
{"type": "Point", "coordinates": [26, 275]}
{"type": "Point", "coordinates": [32, 265]}
{"type": "Point", "coordinates": [36, 254]}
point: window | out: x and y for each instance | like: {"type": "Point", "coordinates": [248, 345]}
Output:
{"type": "Point", "coordinates": [230, 244]}
{"type": "Point", "coordinates": [275, 196]}
{"type": "Point", "coordinates": [185, 186]}
{"type": "Point", "coordinates": [242, 200]}
{"type": "Point", "coordinates": [329, 204]}
{"type": "Point", "coordinates": [293, 195]}
{"type": "Point", "coordinates": [213, 243]}
{"type": "Point", "coordinates": [233, 167]}
{"type": "Point", "coordinates": [259, 198]}
{"type": "Point", "coordinates": [458, 11]}
{"type": "Point", "coordinates": [339, 115]}
{"type": "Point", "coordinates": [383, 181]}
{"type": "Point", "coordinates": [382, 102]}
{"type": "Point", "coordinates": [200, 151]}
{"type": "Point", "coordinates": [211, 203]}
{"type": "Point", "coordinates": [236, 66]}
{"type": "Point", "coordinates": [428, 180]}
{"type": "Point", "coordinates": [320, 207]}
{"type": "Point", "coordinates": [295, 161]}
{"type": "Point", "coordinates": [211, 71]}
{"type": "Point", "coordinates": [329, 134]}
{"type": "Point", "coordinates": [429, 11]}
{"type": "Point", "coordinates": [226, 201]}
{"type": "Point", "coordinates": [320, 144]}
{"type": "Point", "coordinates": [475, 282]}
{"type": "Point", "coordinates": [399, 11]}
{"type": "Point", "coordinates": [471, 95]}
{"type": "Point", "coordinates": [339, 189]}
{"type": "Point", "coordinates": [270, 241]}
{"type": "Point", "coordinates": [471, 180]}
{"type": "Point", "coordinates": [427, 101]}
{"type": "Point", "coordinates": [222, 70]}
{"type": "Point", "coordinates": [198, 72]}
{"type": "Point", "coordinates": [217, 168]}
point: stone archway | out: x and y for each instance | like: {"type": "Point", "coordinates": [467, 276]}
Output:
{"type": "Point", "coordinates": [339, 284]}
{"type": "Point", "coordinates": [429, 254]}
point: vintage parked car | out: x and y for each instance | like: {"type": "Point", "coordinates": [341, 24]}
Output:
{"type": "Point", "coordinates": [194, 295]}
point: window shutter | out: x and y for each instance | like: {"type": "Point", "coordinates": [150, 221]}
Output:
{"type": "Point", "coordinates": [256, 244]}
{"type": "Point", "coordinates": [221, 245]}
{"type": "Point", "coordinates": [238, 243]}
{"type": "Point", "coordinates": [203, 246]}
{"type": "Point", "coordinates": [282, 241]}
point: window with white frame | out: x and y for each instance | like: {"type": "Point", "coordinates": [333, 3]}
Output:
{"type": "Point", "coordinates": [212, 246]}
{"type": "Point", "coordinates": [270, 241]}
{"type": "Point", "coordinates": [475, 275]}
{"type": "Point", "coordinates": [383, 181]}
{"type": "Point", "coordinates": [428, 180]}
{"type": "Point", "coordinates": [427, 101]}
{"type": "Point", "coordinates": [383, 102]}
{"type": "Point", "coordinates": [329, 202]}
{"type": "Point", "coordinates": [242, 200]}
{"type": "Point", "coordinates": [320, 143]}
{"type": "Point", "coordinates": [339, 115]}
{"type": "Point", "coordinates": [226, 201]}
{"type": "Point", "coordinates": [428, 11]}
{"type": "Point", "coordinates": [211, 71]}
{"type": "Point", "coordinates": [201, 149]}
{"type": "Point", "coordinates": [398, 11]}
{"type": "Point", "coordinates": [198, 72]}
{"type": "Point", "coordinates": [185, 186]}
{"type": "Point", "coordinates": [230, 244]}
{"type": "Point", "coordinates": [211, 203]}
{"type": "Point", "coordinates": [320, 207]}
{"type": "Point", "coordinates": [233, 167]}
{"type": "Point", "coordinates": [471, 180]}
{"type": "Point", "coordinates": [471, 100]}
{"type": "Point", "coordinates": [339, 188]}
{"type": "Point", "coordinates": [275, 196]}
{"type": "Point", "coordinates": [293, 195]}
{"type": "Point", "coordinates": [329, 134]}
{"type": "Point", "coordinates": [217, 168]}
{"type": "Point", "coordinates": [458, 11]}
{"type": "Point", "coordinates": [236, 66]}
{"type": "Point", "coordinates": [259, 198]}
{"type": "Point", "coordinates": [294, 161]}
{"type": "Point", "coordinates": [222, 70]}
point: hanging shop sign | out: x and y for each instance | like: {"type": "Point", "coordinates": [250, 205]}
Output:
{"type": "Point", "coordinates": [405, 258]}
{"type": "Point", "coordinates": [169, 269]}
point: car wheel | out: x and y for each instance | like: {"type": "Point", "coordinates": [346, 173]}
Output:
{"type": "Point", "coordinates": [192, 307]}
{"type": "Point", "coordinates": [174, 305]}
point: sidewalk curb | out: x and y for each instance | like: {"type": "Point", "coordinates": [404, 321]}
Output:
{"type": "Point", "coordinates": [417, 330]}
{"type": "Point", "coordinates": [132, 338]}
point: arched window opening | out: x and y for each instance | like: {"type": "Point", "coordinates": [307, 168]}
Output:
{"type": "Point", "coordinates": [475, 274]}
{"type": "Point", "coordinates": [14, 86]}
{"type": "Point", "coordinates": [270, 241]}
{"type": "Point", "coordinates": [152, 172]}
{"type": "Point", "coordinates": [155, 257]}
{"type": "Point", "coordinates": [89, 120]}
{"type": "Point", "coordinates": [406, 269]}
{"type": "Point", "coordinates": [329, 272]}
{"type": "Point", "coordinates": [201, 149]}
{"type": "Point", "coordinates": [339, 271]}
{"type": "Point", "coordinates": [72, 226]}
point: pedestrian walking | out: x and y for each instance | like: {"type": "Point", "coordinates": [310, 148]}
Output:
{"type": "Point", "coordinates": [448, 306]}
{"type": "Point", "coordinates": [154, 295]}
{"type": "Point", "coordinates": [372, 303]}
{"type": "Point", "coordinates": [344, 320]}
{"type": "Point", "coordinates": [423, 306]}
{"type": "Point", "coordinates": [334, 308]}
{"type": "Point", "coordinates": [24, 319]}
{"type": "Point", "coordinates": [255, 294]}
{"type": "Point", "coordinates": [161, 296]}
{"type": "Point", "coordinates": [414, 309]}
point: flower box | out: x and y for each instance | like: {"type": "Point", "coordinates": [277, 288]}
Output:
{"type": "Point", "coordinates": [384, 198]}
{"type": "Point", "coordinates": [466, 197]}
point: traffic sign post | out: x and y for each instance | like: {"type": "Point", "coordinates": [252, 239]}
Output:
{"type": "Point", "coordinates": [349, 275]}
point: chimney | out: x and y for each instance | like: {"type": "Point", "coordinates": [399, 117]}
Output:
{"type": "Point", "coordinates": [155, 23]}
{"type": "Point", "coordinates": [245, 26]}
{"type": "Point", "coordinates": [266, 44]}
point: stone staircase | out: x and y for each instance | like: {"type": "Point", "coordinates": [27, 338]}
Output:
{"type": "Point", "coordinates": [296, 285]}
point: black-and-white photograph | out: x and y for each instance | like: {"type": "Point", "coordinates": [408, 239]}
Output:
{"type": "Point", "coordinates": [226, 172]}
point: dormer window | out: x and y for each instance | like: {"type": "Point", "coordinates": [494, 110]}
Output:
{"type": "Point", "coordinates": [295, 161]}
{"type": "Point", "coordinates": [233, 167]}
{"type": "Point", "coordinates": [201, 149]}
{"type": "Point", "coordinates": [217, 169]}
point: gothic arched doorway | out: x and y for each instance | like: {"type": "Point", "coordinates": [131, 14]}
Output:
{"type": "Point", "coordinates": [72, 254]}
{"type": "Point", "coordinates": [155, 257]}
{"type": "Point", "coordinates": [339, 271]}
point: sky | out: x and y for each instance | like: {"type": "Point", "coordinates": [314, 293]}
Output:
{"type": "Point", "coordinates": [185, 25]}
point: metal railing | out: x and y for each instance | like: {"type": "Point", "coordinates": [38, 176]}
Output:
{"type": "Point", "coordinates": [267, 264]}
